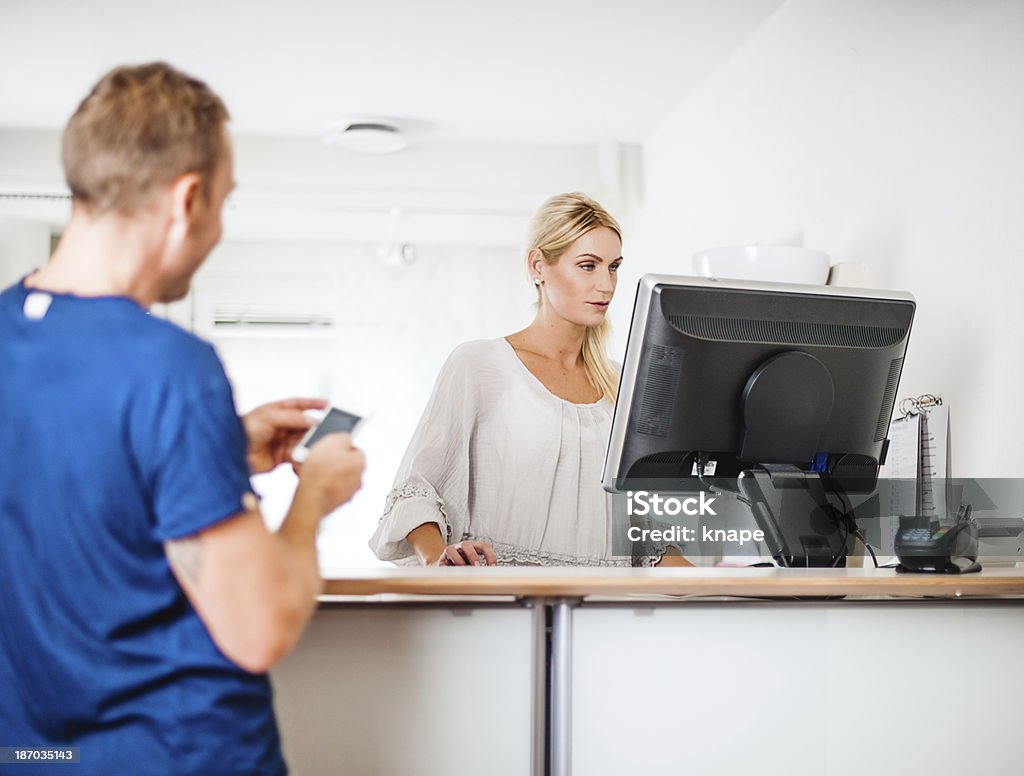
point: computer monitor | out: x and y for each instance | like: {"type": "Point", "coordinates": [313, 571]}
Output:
{"type": "Point", "coordinates": [783, 391]}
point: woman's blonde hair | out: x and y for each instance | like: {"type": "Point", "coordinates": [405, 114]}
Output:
{"type": "Point", "coordinates": [556, 225]}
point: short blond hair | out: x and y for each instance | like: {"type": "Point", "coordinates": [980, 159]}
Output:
{"type": "Point", "coordinates": [556, 225]}
{"type": "Point", "coordinates": [139, 129]}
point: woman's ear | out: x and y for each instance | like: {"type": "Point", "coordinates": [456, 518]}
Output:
{"type": "Point", "coordinates": [535, 261]}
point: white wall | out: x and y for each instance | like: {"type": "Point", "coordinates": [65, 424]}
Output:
{"type": "Point", "coordinates": [23, 246]}
{"type": "Point", "coordinates": [393, 326]}
{"type": "Point", "coordinates": [885, 132]}
{"type": "Point", "coordinates": [303, 235]}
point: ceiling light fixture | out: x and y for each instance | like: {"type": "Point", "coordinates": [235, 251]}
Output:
{"type": "Point", "coordinates": [367, 137]}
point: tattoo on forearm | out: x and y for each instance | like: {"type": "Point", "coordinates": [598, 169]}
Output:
{"type": "Point", "coordinates": [186, 557]}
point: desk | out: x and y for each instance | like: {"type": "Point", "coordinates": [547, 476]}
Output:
{"type": "Point", "coordinates": [655, 669]}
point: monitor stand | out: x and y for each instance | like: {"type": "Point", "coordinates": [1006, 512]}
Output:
{"type": "Point", "coordinates": [801, 528]}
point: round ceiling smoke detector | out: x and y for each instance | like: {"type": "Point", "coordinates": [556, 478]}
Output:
{"type": "Point", "coordinates": [367, 137]}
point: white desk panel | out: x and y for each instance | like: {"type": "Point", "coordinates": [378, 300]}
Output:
{"type": "Point", "coordinates": [401, 691]}
{"type": "Point", "coordinates": [823, 689]}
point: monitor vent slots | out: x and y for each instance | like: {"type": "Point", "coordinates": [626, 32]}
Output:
{"type": "Point", "coordinates": [888, 399]}
{"type": "Point", "coordinates": [669, 457]}
{"type": "Point", "coordinates": [662, 381]}
{"type": "Point", "coordinates": [787, 332]}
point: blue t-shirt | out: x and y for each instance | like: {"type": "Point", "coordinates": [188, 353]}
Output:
{"type": "Point", "coordinates": [117, 432]}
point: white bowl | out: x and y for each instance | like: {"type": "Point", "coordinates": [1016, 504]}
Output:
{"type": "Point", "coordinates": [774, 263]}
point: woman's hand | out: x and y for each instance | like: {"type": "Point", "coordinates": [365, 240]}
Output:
{"type": "Point", "coordinates": [467, 553]}
{"type": "Point", "coordinates": [672, 557]}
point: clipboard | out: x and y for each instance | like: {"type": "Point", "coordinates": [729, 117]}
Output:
{"type": "Point", "coordinates": [918, 464]}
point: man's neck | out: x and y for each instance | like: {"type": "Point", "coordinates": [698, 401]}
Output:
{"type": "Point", "coordinates": [107, 256]}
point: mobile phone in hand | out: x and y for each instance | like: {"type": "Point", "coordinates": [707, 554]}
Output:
{"type": "Point", "coordinates": [336, 421]}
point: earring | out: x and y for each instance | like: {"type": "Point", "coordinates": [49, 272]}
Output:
{"type": "Point", "coordinates": [536, 281]}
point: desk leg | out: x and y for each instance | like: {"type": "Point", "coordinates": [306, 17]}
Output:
{"type": "Point", "coordinates": [540, 685]}
{"type": "Point", "coordinates": [561, 686]}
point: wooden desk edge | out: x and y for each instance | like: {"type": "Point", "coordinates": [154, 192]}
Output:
{"type": "Point", "coordinates": [783, 583]}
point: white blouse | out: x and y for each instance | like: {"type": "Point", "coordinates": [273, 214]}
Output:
{"type": "Point", "coordinates": [499, 458]}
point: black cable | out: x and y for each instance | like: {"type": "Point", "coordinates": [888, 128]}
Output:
{"type": "Point", "coordinates": [859, 533]}
{"type": "Point", "coordinates": [844, 520]}
{"type": "Point", "coordinates": [846, 537]}
{"type": "Point", "coordinates": [867, 546]}
{"type": "Point", "coordinates": [701, 460]}
{"type": "Point", "coordinates": [856, 530]}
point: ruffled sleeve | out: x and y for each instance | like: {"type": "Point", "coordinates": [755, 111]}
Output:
{"type": "Point", "coordinates": [432, 485]}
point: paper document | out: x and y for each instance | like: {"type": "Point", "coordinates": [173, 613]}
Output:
{"type": "Point", "coordinates": [919, 452]}
{"type": "Point", "coordinates": [933, 477]}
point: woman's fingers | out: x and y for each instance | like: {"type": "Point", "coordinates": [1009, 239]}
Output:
{"type": "Point", "coordinates": [468, 553]}
{"type": "Point", "coordinates": [488, 553]}
{"type": "Point", "coordinates": [453, 557]}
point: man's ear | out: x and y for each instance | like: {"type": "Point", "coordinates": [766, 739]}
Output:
{"type": "Point", "coordinates": [185, 193]}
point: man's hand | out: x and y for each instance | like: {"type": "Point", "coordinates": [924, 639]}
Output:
{"type": "Point", "coordinates": [274, 429]}
{"type": "Point", "coordinates": [332, 473]}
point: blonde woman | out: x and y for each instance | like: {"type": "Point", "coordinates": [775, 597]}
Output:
{"type": "Point", "coordinates": [505, 466]}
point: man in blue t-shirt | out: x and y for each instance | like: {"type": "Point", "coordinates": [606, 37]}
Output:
{"type": "Point", "coordinates": [142, 599]}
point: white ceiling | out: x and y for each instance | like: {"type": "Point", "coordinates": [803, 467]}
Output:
{"type": "Point", "coordinates": [522, 70]}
